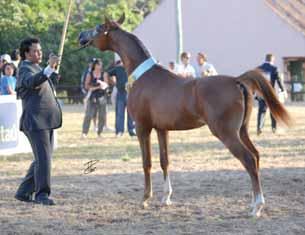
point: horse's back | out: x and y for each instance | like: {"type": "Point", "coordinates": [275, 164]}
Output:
{"type": "Point", "coordinates": [220, 100]}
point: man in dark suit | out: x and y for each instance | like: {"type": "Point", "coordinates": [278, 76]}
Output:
{"type": "Point", "coordinates": [41, 114]}
{"type": "Point", "coordinates": [271, 74]}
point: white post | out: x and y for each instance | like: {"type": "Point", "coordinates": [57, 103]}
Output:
{"type": "Point", "coordinates": [179, 30]}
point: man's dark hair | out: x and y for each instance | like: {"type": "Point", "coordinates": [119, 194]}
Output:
{"type": "Point", "coordinates": [269, 57]}
{"type": "Point", "coordinates": [26, 44]}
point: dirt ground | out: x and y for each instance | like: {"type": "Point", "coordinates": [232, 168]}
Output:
{"type": "Point", "coordinates": [212, 191]}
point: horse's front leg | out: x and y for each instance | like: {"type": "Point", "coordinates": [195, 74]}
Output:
{"type": "Point", "coordinates": [163, 146]}
{"type": "Point", "coordinates": [143, 134]}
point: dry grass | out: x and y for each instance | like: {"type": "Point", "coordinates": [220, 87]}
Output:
{"type": "Point", "coordinates": [211, 189]}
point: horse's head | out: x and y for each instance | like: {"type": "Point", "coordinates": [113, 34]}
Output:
{"type": "Point", "coordinates": [99, 36]}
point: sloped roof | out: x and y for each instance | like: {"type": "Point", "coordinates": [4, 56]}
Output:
{"type": "Point", "coordinates": [292, 11]}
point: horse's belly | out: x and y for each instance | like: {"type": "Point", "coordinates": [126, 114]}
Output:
{"type": "Point", "coordinates": [176, 121]}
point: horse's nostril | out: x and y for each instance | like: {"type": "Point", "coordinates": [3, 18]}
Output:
{"type": "Point", "coordinates": [82, 39]}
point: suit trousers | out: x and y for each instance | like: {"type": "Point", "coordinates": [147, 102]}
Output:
{"type": "Point", "coordinates": [262, 108]}
{"type": "Point", "coordinates": [38, 176]}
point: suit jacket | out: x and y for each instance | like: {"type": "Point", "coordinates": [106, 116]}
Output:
{"type": "Point", "coordinates": [41, 109]}
{"type": "Point", "coordinates": [271, 72]}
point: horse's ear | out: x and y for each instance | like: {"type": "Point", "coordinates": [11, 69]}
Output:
{"type": "Point", "coordinates": [122, 19]}
{"type": "Point", "coordinates": [107, 21]}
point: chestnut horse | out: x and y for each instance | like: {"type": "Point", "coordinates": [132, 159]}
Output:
{"type": "Point", "coordinates": [163, 101]}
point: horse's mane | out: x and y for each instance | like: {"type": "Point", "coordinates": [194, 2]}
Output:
{"type": "Point", "coordinates": [137, 41]}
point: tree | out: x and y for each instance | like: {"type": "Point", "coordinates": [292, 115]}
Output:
{"type": "Point", "coordinates": [45, 19]}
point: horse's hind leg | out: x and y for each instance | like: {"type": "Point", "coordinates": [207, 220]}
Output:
{"type": "Point", "coordinates": [164, 162]}
{"type": "Point", "coordinates": [248, 159]}
{"type": "Point", "coordinates": [246, 140]}
{"type": "Point", "coordinates": [144, 139]}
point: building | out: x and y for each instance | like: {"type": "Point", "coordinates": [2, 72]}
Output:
{"type": "Point", "coordinates": [235, 34]}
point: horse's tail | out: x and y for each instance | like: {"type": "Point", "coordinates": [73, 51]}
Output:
{"type": "Point", "coordinates": [256, 82]}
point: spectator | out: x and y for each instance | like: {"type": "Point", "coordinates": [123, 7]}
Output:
{"type": "Point", "coordinates": [185, 69]}
{"type": "Point", "coordinates": [8, 83]}
{"type": "Point", "coordinates": [204, 68]}
{"type": "Point", "coordinates": [96, 87]}
{"type": "Point", "coordinates": [15, 56]}
{"type": "Point", "coordinates": [85, 93]}
{"type": "Point", "coordinates": [120, 78]}
{"type": "Point", "coordinates": [6, 58]}
{"type": "Point", "coordinates": [270, 72]}
{"type": "Point", "coordinates": [3, 60]}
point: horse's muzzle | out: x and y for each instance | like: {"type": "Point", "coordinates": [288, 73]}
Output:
{"type": "Point", "coordinates": [85, 38]}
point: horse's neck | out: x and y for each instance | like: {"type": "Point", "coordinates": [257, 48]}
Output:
{"type": "Point", "coordinates": [130, 49]}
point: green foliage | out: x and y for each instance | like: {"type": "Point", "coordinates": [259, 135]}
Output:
{"type": "Point", "coordinates": [45, 19]}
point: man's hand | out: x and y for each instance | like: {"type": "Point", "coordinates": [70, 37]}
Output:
{"type": "Point", "coordinates": [53, 61]}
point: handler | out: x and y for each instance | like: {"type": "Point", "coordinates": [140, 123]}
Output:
{"type": "Point", "coordinates": [41, 115]}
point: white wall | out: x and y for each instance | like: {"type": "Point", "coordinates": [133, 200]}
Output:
{"type": "Point", "coordinates": [235, 34]}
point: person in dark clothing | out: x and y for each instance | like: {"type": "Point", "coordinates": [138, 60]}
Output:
{"type": "Point", "coordinates": [270, 72]}
{"type": "Point", "coordinates": [41, 115]}
{"type": "Point", "coordinates": [96, 87]}
{"type": "Point", "coordinates": [120, 81]}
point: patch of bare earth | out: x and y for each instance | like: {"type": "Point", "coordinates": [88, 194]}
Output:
{"type": "Point", "coordinates": [212, 191]}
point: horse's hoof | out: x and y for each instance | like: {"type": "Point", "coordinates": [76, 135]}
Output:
{"type": "Point", "coordinates": [166, 202]}
{"type": "Point", "coordinates": [257, 210]}
{"type": "Point", "coordinates": [145, 204]}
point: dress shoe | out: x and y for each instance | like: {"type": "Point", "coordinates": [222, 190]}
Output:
{"type": "Point", "coordinates": [45, 201]}
{"type": "Point", "coordinates": [24, 198]}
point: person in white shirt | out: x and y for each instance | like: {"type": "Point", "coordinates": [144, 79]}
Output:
{"type": "Point", "coordinates": [185, 69]}
{"type": "Point", "coordinates": [204, 69]}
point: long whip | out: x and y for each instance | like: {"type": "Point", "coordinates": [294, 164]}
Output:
{"type": "Point", "coordinates": [63, 35]}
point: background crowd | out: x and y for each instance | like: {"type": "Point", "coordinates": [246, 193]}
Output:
{"type": "Point", "coordinates": [100, 86]}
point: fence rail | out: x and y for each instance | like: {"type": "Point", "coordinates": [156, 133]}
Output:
{"type": "Point", "coordinates": [72, 94]}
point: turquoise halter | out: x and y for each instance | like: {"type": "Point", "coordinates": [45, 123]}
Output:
{"type": "Point", "coordinates": [143, 67]}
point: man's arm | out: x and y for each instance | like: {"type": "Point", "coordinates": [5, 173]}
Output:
{"type": "Point", "coordinates": [278, 80]}
{"type": "Point", "coordinates": [112, 74]}
{"type": "Point", "coordinates": [29, 80]}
